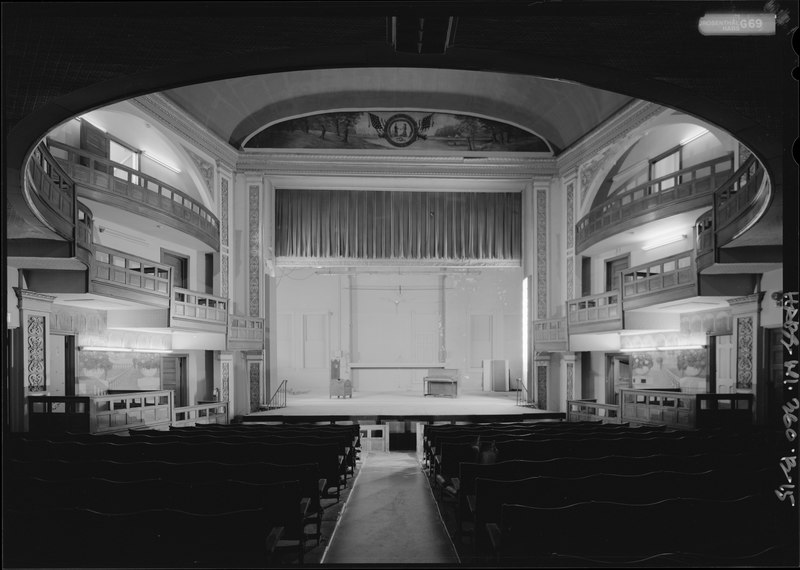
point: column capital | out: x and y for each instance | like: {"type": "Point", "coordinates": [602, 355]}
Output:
{"type": "Point", "coordinates": [34, 301]}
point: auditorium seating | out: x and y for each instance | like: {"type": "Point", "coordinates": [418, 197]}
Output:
{"type": "Point", "coordinates": [276, 483]}
{"type": "Point", "coordinates": [558, 466]}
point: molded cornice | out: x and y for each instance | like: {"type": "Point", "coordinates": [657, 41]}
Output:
{"type": "Point", "coordinates": [319, 164]}
{"type": "Point", "coordinates": [178, 121]}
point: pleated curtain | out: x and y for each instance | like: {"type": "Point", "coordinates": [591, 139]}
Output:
{"type": "Point", "coordinates": [389, 225]}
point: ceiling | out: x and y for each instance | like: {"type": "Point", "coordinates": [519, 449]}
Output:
{"type": "Point", "coordinates": [560, 112]}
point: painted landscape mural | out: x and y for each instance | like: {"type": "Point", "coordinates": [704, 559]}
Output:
{"type": "Point", "coordinates": [393, 130]}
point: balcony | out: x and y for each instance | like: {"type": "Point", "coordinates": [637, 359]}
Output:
{"type": "Point", "coordinates": [550, 335]}
{"type": "Point", "coordinates": [679, 192]}
{"type": "Point", "coordinates": [737, 205]}
{"type": "Point", "coordinates": [667, 279]}
{"type": "Point", "coordinates": [245, 333]}
{"type": "Point", "coordinates": [97, 178]}
{"type": "Point", "coordinates": [196, 311]}
{"type": "Point", "coordinates": [595, 313]}
{"type": "Point", "coordinates": [130, 278]}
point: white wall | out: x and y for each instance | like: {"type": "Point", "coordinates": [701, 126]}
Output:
{"type": "Point", "coordinates": [771, 312]}
{"type": "Point", "coordinates": [393, 318]}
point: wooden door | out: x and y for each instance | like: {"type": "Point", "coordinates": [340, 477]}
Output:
{"type": "Point", "coordinates": [180, 268]}
{"type": "Point", "coordinates": [725, 357]}
{"type": "Point", "coordinates": [173, 377]}
{"type": "Point", "coordinates": [770, 392]}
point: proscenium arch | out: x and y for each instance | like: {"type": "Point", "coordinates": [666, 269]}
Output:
{"type": "Point", "coordinates": [24, 135]}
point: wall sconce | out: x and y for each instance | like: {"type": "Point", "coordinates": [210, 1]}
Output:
{"type": "Point", "coordinates": [777, 296]}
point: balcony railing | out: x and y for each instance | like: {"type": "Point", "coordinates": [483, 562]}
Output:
{"type": "Point", "coordinates": [121, 275]}
{"type": "Point", "coordinates": [680, 191]}
{"type": "Point", "coordinates": [245, 332]}
{"type": "Point", "coordinates": [591, 411]}
{"type": "Point", "coordinates": [667, 279]}
{"type": "Point", "coordinates": [100, 414]}
{"type": "Point", "coordinates": [739, 195]}
{"type": "Point", "coordinates": [52, 192]}
{"type": "Point", "coordinates": [199, 414]}
{"type": "Point", "coordinates": [685, 411]}
{"type": "Point", "coordinates": [84, 234]}
{"type": "Point", "coordinates": [198, 311]}
{"type": "Point", "coordinates": [704, 240]}
{"type": "Point", "coordinates": [110, 182]}
{"type": "Point", "coordinates": [550, 334]}
{"type": "Point", "coordinates": [602, 311]}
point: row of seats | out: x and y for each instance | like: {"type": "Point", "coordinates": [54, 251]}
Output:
{"type": "Point", "coordinates": [530, 495]}
{"type": "Point", "coordinates": [158, 501]}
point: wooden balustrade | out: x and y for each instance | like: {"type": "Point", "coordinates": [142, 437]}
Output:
{"type": "Point", "coordinates": [51, 191]}
{"type": "Point", "coordinates": [203, 413]}
{"type": "Point", "coordinates": [737, 195]}
{"type": "Point", "coordinates": [683, 410]}
{"type": "Point", "coordinates": [245, 332]}
{"type": "Point", "coordinates": [602, 311]}
{"type": "Point", "coordinates": [590, 411]}
{"type": "Point", "coordinates": [677, 192]}
{"type": "Point", "coordinates": [198, 311]}
{"type": "Point", "coordinates": [122, 275]}
{"type": "Point", "coordinates": [100, 414]}
{"type": "Point", "coordinates": [705, 242]}
{"type": "Point", "coordinates": [550, 334]}
{"type": "Point", "coordinates": [666, 279]}
{"type": "Point", "coordinates": [110, 182]}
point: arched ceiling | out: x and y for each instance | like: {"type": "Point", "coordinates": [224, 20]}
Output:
{"type": "Point", "coordinates": [560, 112]}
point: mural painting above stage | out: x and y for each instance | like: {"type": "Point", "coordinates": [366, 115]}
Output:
{"type": "Point", "coordinates": [397, 130]}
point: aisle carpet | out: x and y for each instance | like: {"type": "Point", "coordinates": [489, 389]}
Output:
{"type": "Point", "coordinates": [391, 517]}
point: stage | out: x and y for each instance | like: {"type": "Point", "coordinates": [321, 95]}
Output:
{"type": "Point", "coordinates": [402, 406]}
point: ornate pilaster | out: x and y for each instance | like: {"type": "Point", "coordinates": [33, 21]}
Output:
{"type": "Point", "coordinates": [254, 360]}
{"type": "Point", "coordinates": [254, 254]}
{"type": "Point", "coordinates": [745, 313]}
{"type": "Point", "coordinates": [540, 247]}
{"type": "Point", "coordinates": [222, 381]}
{"type": "Point", "coordinates": [570, 229]}
{"type": "Point", "coordinates": [31, 376]}
{"type": "Point", "coordinates": [541, 365]}
{"type": "Point", "coordinates": [224, 236]}
{"type": "Point", "coordinates": [569, 362]}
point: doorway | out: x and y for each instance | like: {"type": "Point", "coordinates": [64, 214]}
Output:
{"type": "Point", "coordinates": [618, 376]}
{"type": "Point", "coordinates": [173, 377]}
{"type": "Point", "coordinates": [613, 268]}
{"type": "Point", "coordinates": [724, 368]}
{"type": "Point", "coordinates": [180, 268]}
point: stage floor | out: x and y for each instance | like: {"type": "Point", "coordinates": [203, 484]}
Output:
{"type": "Point", "coordinates": [403, 405]}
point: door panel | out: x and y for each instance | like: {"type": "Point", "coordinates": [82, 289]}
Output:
{"type": "Point", "coordinates": [173, 377]}
{"type": "Point", "coordinates": [725, 357]}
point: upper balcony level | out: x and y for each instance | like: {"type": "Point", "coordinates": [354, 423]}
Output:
{"type": "Point", "coordinates": [113, 184]}
{"type": "Point", "coordinates": [738, 203]}
{"type": "Point", "coordinates": [676, 193]}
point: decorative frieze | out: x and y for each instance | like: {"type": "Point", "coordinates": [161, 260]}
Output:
{"type": "Point", "coordinates": [744, 353]}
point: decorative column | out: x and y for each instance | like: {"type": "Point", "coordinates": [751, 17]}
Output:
{"type": "Point", "coordinates": [569, 375]}
{"type": "Point", "coordinates": [570, 230]}
{"type": "Point", "coordinates": [254, 364]}
{"type": "Point", "coordinates": [222, 380]}
{"type": "Point", "coordinates": [541, 365]}
{"type": "Point", "coordinates": [254, 250]}
{"type": "Point", "coordinates": [745, 312]}
{"type": "Point", "coordinates": [540, 249]}
{"type": "Point", "coordinates": [32, 376]}
{"type": "Point", "coordinates": [224, 237]}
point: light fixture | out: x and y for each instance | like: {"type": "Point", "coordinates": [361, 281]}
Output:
{"type": "Point", "coordinates": [663, 240]}
{"type": "Point", "coordinates": [154, 350]}
{"type": "Point", "coordinates": [694, 137]}
{"type": "Point", "coordinates": [160, 161]}
{"type": "Point", "coordinates": [105, 349]}
{"type": "Point", "coordinates": [662, 348]}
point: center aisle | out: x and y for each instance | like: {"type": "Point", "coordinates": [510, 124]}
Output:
{"type": "Point", "coordinates": [391, 517]}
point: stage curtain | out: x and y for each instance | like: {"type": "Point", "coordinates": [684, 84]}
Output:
{"type": "Point", "coordinates": [378, 225]}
